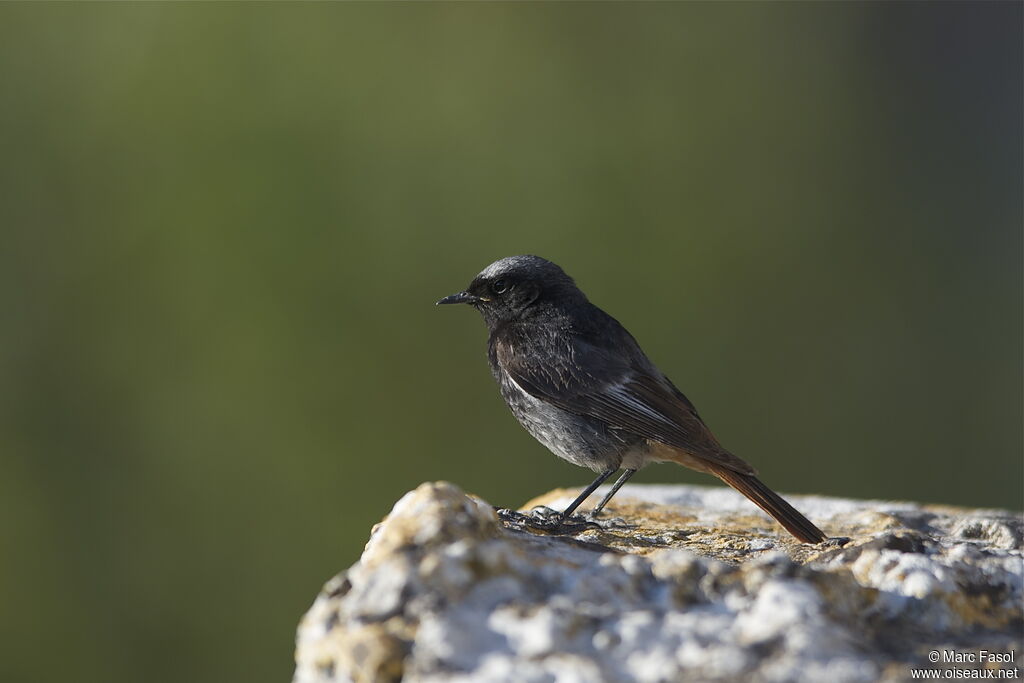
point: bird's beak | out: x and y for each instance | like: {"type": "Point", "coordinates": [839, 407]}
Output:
{"type": "Point", "coordinates": [460, 298]}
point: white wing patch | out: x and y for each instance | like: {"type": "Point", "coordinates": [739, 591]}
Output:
{"type": "Point", "coordinates": [623, 396]}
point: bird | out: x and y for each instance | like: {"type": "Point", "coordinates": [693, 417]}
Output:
{"type": "Point", "coordinates": [580, 384]}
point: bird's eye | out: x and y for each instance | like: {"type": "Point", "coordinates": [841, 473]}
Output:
{"type": "Point", "coordinates": [500, 286]}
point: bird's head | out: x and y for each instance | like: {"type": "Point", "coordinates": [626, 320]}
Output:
{"type": "Point", "coordinates": [512, 287]}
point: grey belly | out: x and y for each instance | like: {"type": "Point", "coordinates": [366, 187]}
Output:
{"type": "Point", "coordinates": [580, 440]}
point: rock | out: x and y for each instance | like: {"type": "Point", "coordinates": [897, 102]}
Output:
{"type": "Point", "coordinates": [672, 583]}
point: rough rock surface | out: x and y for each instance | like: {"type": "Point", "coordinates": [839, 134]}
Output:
{"type": "Point", "coordinates": [674, 583]}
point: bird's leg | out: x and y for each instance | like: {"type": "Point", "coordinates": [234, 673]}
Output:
{"type": "Point", "coordinates": [546, 519]}
{"type": "Point", "coordinates": [567, 512]}
{"type": "Point", "coordinates": [626, 474]}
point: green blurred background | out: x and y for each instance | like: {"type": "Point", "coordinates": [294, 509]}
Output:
{"type": "Point", "coordinates": [224, 228]}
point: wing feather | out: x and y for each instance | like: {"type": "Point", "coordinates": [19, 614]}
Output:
{"type": "Point", "coordinates": [623, 390]}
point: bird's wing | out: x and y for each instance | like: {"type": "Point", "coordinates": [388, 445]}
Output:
{"type": "Point", "coordinates": [626, 393]}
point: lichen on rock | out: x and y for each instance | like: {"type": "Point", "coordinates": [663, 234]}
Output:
{"type": "Point", "coordinates": [673, 583]}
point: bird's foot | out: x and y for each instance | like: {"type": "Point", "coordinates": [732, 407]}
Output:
{"type": "Point", "coordinates": [545, 519]}
{"type": "Point", "coordinates": [835, 542]}
{"type": "Point", "coordinates": [511, 518]}
{"type": "Point", "coordinates": [604, 521]}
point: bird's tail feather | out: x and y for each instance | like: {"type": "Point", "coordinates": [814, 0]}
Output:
{"type": "Point", "coordinates": [772, 503]}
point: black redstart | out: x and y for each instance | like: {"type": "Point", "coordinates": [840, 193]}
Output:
{"type": "Point", "coordinates": [581, 385]}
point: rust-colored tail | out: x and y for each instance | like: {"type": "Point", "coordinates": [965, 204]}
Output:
{"type": "Point", "coordinates": [771, 502]}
